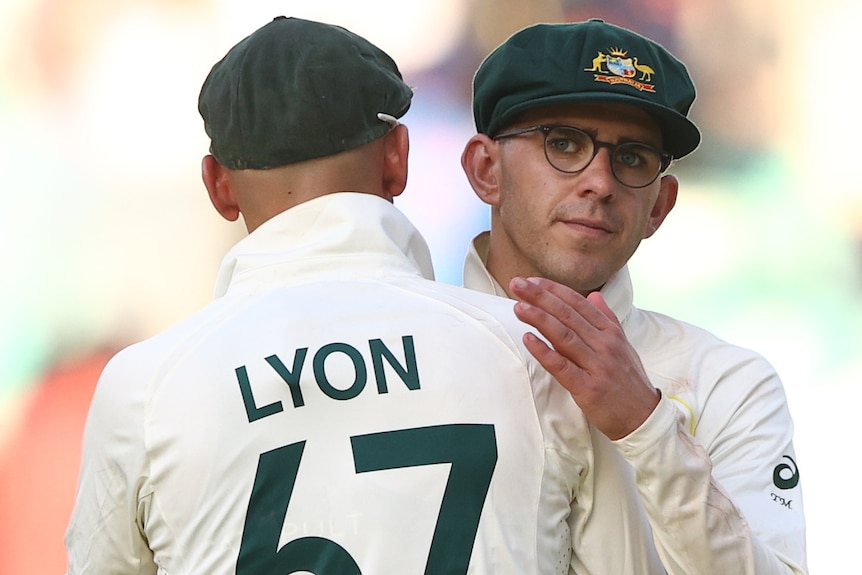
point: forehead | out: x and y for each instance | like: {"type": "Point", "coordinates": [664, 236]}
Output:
{"type": "Point", "coordinates": [608, 120]}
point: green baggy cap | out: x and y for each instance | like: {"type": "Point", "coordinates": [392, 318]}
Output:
{"type": "Point", "coordinates": [295, 90]}
{"type": "Point", "coordinates": [589, 61]}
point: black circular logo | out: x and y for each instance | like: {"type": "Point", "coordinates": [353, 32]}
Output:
{"type": "Point", "coordinates": [786, 476]}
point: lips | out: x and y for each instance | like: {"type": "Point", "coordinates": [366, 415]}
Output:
{"type": "Point", "coordinates": [597, 225]}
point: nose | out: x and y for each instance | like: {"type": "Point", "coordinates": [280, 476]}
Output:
{"type": "Point", "coordinates": [597, 178]}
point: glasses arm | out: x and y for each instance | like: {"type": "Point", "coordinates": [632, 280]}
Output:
{"type": "Point", "coordinates": [520, 131]}
{"type": "Point", "coordinates": [666, 161]}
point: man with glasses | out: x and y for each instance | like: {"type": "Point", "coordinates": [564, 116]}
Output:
{"type": "Point", "coordinates": [577, 124]}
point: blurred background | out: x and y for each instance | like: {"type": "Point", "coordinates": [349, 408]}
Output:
{"type": "Point", "coordinates": [108, 235]}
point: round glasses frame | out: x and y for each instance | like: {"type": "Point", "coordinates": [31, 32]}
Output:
{"type": "Point", "coordinates": [615, 150]}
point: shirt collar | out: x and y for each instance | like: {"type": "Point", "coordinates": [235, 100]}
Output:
{"type": "Point", "coordinates": [339, 235]}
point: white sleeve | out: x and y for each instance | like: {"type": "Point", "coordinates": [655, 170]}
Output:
{"type": "Point", "coordinates": [726, 500]}
{"type": "Point", "coordinates": [105, 533]}
{"type": "Point", "coordinates": [588, 494]}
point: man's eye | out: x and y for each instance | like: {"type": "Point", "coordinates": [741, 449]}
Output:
{"type": "Point", "coordinates": [629, 159]}
{"type": "Point", "coordinates": [637, 157]}
{"type": "Point", "coordinates": [564, 145]}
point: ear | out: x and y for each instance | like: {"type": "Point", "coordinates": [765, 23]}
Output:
{"type": "Point", "coordinates": [663, 204]}
{"type": "Point", "coordinates": [217, 181]}
{"type": "Point", "coordinates": [481, 161]}
{"type": "Point", "coordinates": [396, 149]}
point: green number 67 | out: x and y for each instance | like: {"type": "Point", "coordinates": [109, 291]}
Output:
{"type": "Point", "coordinates": [470, 448]}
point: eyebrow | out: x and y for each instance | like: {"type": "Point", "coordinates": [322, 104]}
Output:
{"type": "Point", "coordinates": [594, 132]}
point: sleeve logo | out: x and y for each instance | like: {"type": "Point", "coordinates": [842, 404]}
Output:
{"type": "Point", "coordinates": [786, 476]}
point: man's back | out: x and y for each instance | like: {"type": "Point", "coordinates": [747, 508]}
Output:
{"type": "Point", "coordinates": [334, 418]}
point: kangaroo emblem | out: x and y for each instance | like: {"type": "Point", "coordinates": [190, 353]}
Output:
{"type": "Point", "coordinates": [597, 63]}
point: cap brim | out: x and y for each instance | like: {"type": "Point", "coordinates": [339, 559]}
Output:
{"type": "Point", "coordinates": [680, 135]}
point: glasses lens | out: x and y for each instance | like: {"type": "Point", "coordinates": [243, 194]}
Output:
{"type": "Point", "coordinates": [568, 149]}
{"type": "Point", "coordinates": [636, 165]}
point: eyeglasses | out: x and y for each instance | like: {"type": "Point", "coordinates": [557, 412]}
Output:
{"type": "Point", "coordinates": [571, 150]}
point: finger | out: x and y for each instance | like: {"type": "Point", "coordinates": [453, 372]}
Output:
{"type": "Point", "coordinates": [563, 305]}
{"type": "Point", "coordinates": [559, 322]}
{"type": "Point", "coordinates": [598, 300]}
{"type": "Point", "coordinates": [586, 306]}
{"type": "Point", "coordinates": [561, 301]}
{"type": "Point", "coordinates": [563, 370]}
{"type": "Point", "coordinates": [564, 340]}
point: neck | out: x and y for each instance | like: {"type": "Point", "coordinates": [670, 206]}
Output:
{"type": "Point", "coordinates": [263, 194]}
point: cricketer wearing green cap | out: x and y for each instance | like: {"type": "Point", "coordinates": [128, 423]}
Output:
{"type": "Point", "coordinates": [273, 99]}
{"type": "Point", "coordinates": [577, 125]}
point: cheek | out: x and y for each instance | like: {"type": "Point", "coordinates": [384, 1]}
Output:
{"type": "Point", "coordinates": [639, 216]}
{"type": "Point", "coordinates": [651, 220]}
{"type": "Point", "coordinates": [521, 219]}
{"type": "Point", "coordinates": [514, 213]}
{"type": "Point", "coordinates": [521, 203]}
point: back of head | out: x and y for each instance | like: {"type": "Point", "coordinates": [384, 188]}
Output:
{"type": "Point", "coordinates": [591, 61]}
{"type": "Point", "coordinates": [295, 90]}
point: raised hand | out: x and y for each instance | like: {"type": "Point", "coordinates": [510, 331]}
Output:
{"type": "Point", "coordinates": [588, 354]}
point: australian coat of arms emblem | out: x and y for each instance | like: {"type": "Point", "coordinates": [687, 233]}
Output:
{"type": "Point", "coordinates": [617, 67]}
